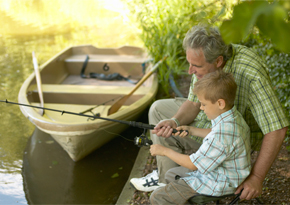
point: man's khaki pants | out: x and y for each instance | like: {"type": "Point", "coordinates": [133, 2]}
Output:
{"type": "Point", "coordinates": [166, 109]}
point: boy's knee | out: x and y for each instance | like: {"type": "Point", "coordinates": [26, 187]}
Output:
{"type": "Point", "coordinates": [170, 175]}
{"type": "Point", "coordinates": [155, 196]}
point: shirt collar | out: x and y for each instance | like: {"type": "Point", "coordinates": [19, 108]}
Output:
{"type": "Point", "coordinates": [224, 116]}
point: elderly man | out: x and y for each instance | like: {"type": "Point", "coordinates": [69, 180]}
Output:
{"type": "Point", "coordinates": [255, 100]}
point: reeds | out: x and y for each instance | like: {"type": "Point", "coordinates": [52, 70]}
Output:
{"type": "Point", "coordinates": [163, 25]}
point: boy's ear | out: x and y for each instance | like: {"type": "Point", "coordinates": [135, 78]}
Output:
{"type": "Point", "coordinates": [222, 104]}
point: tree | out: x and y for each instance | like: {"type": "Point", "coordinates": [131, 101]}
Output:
{"type": "Point", "coordinates": [271, 18]}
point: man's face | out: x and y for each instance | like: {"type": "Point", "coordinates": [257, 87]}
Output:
{"type": "Point", "coordinates": [197, 63]}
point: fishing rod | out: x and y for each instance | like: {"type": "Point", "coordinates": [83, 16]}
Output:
{"type": "Point", "coordinates": [141, 141]}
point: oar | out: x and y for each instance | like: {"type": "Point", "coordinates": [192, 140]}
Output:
{"type": "Point", "coordinates": [116, 106]}
{"type": "Point", "coordinates": [38, 82]}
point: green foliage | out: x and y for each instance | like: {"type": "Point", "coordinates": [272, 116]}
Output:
{"type": "Point", "coordinates": [115, 175]}
{"type": "Point", "coordinates": [272, 19]}
{"type": "Point", "coordinates": [163, 26]}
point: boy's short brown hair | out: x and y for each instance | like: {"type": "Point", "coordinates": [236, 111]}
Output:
{"type": "Point", "coordinates": [217, 85]}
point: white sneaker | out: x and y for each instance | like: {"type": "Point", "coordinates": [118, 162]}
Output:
{"type": "Point", "coordinates": [147, 183]}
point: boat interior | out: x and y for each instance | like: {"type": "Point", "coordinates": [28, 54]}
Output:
{"type": "Point", "coordinates": [74, 80]}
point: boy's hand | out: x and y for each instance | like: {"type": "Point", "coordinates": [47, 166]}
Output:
{"type": "Point", "coordinates": [157, 149]}
{"type": "Point", "coordinates": [184, 133]}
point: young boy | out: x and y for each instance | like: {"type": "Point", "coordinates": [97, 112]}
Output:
{"type": "Point", "coordinates": [223, 161]}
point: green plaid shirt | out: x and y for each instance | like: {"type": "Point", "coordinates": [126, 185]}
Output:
{"type": "Point", "coordinates": [255, 99]}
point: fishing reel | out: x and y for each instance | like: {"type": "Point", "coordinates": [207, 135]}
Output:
{"type": "Point", "coordinates": [142, 140]}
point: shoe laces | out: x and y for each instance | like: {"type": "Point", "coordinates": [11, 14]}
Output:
{"type": "Point", "coordinates": [151, 183]}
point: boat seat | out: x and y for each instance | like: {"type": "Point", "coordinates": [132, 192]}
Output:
{"type": "Point", "coordinates": [125, 65]}
{"type": "Point", "coordinates": [88, 89]}
{"type": "Point", "coordinates": [106, 59]}
{"type": "Point", "coordinates": [75, 94]}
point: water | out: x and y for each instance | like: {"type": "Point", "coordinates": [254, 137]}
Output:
{"type": "Point", "coordinates": [33, 167]}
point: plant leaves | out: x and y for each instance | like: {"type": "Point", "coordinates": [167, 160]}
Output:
{"type": "Point", "coordinates": [269, 18]}
{"type": "Point", "coordinates": [272, 23]}
{"type": "Point", "coordinates": [115, 175]}
{"type": "Point", "coordinates": [243, 20]}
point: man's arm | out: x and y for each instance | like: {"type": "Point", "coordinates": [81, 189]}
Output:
{"type": "Point", "coordinates": [187, 112]}
{"type": "Point", "coordinates": [270, 148]}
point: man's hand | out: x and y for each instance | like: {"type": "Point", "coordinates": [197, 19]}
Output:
{"type": "Point", "coordinates": [164, 128]}
{"type": "Point", "coordinates": [252, 187]}
{"type": "Point", "coordinates": [270, 147]}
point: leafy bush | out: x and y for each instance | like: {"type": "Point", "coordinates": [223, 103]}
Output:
{"type": "Point", "coordinates": [270, 17]}
{"type": "Point", "coordinates": [163, 26]}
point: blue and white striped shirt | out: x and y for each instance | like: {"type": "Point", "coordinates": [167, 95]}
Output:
{"type": "Point", "coordinates": [223, 160]}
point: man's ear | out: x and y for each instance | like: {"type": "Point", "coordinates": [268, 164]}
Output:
{"type": "Point", "coordinates": [219, 61]}
{"type": "Point", "coordinates": [222, 104]}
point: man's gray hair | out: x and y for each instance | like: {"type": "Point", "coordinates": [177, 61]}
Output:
{"type": "Point", "coordinates": [209, 40]}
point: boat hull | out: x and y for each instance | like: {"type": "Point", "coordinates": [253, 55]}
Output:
{"type": "Point", "coordinates": [64, 89]}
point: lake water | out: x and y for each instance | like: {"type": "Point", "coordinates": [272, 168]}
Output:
{"type": "Point", "coordinates": [33, 167]}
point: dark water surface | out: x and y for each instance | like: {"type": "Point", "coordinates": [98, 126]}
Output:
{"type": "Point", "coordinates": [33, 167]}
{"type": "Point", "coordinates": [51, 177]}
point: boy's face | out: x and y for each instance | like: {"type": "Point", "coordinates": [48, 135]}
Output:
{"type": "Point", "coordinates": [212, 110]}
{"type": "Point", "coordinates": [198, 64]}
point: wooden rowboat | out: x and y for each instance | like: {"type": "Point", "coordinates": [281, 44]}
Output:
{"type": "Point", "coordinates": [63, 88]}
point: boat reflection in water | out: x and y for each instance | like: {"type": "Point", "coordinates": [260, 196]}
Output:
{"type": "Point", "coordinates": [51, 177]}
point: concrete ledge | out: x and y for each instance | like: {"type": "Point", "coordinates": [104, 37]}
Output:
{"type": "Point", "coordinates": [137, 170]}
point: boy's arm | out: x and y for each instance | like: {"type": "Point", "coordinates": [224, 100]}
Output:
{"type": "Point", "coordinates": [181, 159]}
{"type": "Point", "coordinates": [199, 132]}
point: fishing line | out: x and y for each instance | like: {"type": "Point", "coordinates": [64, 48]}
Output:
{"type": "Point", "coordinates": [140, 141]}
{"type": "Point", "coordinates": [92, 108]}
{"type": "Point", "coordinates": [119, 135]}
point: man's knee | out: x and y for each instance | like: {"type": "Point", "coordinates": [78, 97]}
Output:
{"type": "Point", "coordinates": [155, 106]}
{"type": "Point", "coordinates": [163, 109]}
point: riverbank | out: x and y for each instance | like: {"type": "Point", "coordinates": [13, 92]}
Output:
{"type": "Point", "coordinates": [275, 188]}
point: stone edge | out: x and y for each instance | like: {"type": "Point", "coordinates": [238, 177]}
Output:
{"type": "Point", "coordinates": [136, 172]}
